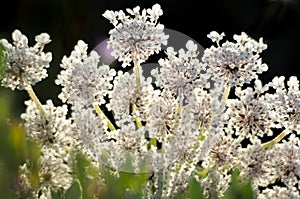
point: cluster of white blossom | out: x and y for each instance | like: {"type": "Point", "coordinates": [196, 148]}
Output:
{"type": "Point", "coordinates": [54, 133]}
{"type": "Point", "coordinates": [181, 73]}
{"type": "Point", "coordinates": [136, 37]}
{"type": "Point", "coordinates": [25, 65]}
{"type": "Point", "coordinates": [234, 64]}
{"type": "Point", "coordinates": [182, 126]}
{"type": "Point", "coordinates": [82, 79]}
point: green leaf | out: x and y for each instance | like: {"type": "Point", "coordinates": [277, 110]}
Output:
{"type": "Point", "coordinates": [56, 194]}
{"type": "Point", "coordinates": [239, 189]}
{"type": "Point", "coordinates": [74, 192]}
{"type": "Point", "coordinates": [195, 190]}
{"type": "Point", "coordinates": [2, 61]}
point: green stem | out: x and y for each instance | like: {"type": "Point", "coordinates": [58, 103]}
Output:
{"type": "Point", "coordinates": [36, 100]}
{"type": "Point", "coordinates": [100, 112]}
{"type": "Point", "coordinates": [225, 94]}
{"type": "Point", "coordinates": [274, 141]}
{"type": "Point", "coordinates": [204, 172]}
{"type": "Point", "coordinates": [136, 70]}
{"type": "Point", "coordinates": [138, 122]}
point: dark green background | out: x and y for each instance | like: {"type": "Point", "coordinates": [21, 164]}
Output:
{"type": "Point", "coordinates": [67, 21]}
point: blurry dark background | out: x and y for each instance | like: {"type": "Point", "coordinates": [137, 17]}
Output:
{"type": "Point", "coordinates": [67, 21]}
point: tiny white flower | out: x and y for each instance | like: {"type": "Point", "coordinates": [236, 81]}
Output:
{"type": "Point", "coordinates": [155, 12]}
{"type": "Point", "coordinates": [215, 36]}
{"type": "Point", "coordinates": [43, 38]}
{"type": "Point", "coordinates": [111, 16]}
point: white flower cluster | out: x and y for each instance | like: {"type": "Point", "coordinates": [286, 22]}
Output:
{"type": "Point", "coordinates": [178, 127]}
{"type": "Point", "coordinates": [136, 37]}
{"type": "Point", "coordinates": [25, 65]}
{"type": "Point", "coordinates": [82, 79]}
{"type": "Point", "coordinates": [54, 133]}
{"type": "Point", "coordinates": [234, 63]}
{"type": "Point", "coordinates": [181, 73]}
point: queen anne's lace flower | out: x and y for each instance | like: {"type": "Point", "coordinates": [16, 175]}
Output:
{"type": "Point", "coordinates": [56, 170]}
{"type": "Point", "coordinates": [234, 64]}
{"type": "Point", "coordinates": [250, 114]}
{"type": "Point", "coordinates": [49, 129]}
{"type": "Point", "coordinates": [181, 72]}
{"type": "Point", "coordinates": [126, 101]}
{"type": "Point", "coordinates": [135, 37]}
{"type": "Point", "coordinates": [83, 80]}
{"type": "Point", "coordinates": [286, 161]}
{"type": "Point", "coordinates": [253, 162]}
{"type": "Point", "coordinates": [54, 133]}
{"type": "Point", "coordinates": [286, 103]}
{"type": "Point", "coordinates": [25, 66]}
{"type": "Point", "coordinates": [90, 128]}
{"type": "Point", "coordinates": [161, 114]}
{"type": "Point", "coordinates": [179, 129]}
{"type": "Point", "coordinates": [279, 192]}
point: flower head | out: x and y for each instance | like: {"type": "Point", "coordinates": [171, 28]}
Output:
{"type": "Point", "coordinates": [250, 114]}
{"type": "Point", "coordinates": [182, 71]}
{"type": "Point", "coordinates": [25, 66]}
{"type": "Point", "coordinates": [83, 80]}
{"type": "Point", "coordinates": [286, 102]}
{"type": "Point", "coordinates": [234, 64]}
{"type": "Point", "coordinates": [135, 37]}
{"type": "Point", "coordinates": [54, 128]}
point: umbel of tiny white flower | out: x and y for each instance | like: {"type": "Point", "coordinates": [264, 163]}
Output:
{"type": "Point", "coordinates": [285, 103]}
{"type": "Point", "coordinates": [136, 37]}
{"type": "Point", "coordinates": [181, 72]}
{"type": "Point", "coordinates": [234, 63]}
{"type": "Point", "coordinates": [83, 80]}
{"type": "Point", "coordinates": [25, 66]}
{"type": "Point", "coordinates": [250, 113]}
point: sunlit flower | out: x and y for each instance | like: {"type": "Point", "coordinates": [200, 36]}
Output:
{"type": "Point", "coordinates": [83, 80]}
{"type": "Point", "coordinates": [137, 36]}
{"type": "Point", "coordinates": [25, 66]}
{"type": "Point", "coordinates": [234, 64]}
{"type": "Point", "coordinates": [181, 72]}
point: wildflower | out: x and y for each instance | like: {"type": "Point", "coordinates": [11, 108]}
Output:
{"type": "Point", "coordinates": [25, 66]}
{"type": "Point", "coordinates": [90, 128]}
{"type": "Point", "coordinates": [286, 102]}
{"type": "Point", "coordinates": [50, 129]}
{"type": "Point", "coordinates": [136, 37]}
{"type": "Point", "coordinates": [126, 100]}
{"type": "Point", "coordinates": [56, 170]}
{"type": "Point", "coordinates": [250, 114]}
{"type": "Point", "coordinates": [234, 64]}
{"type": "Point", "coordinates": [181, 72]}
{"type": "Point", "coordinates": [83, 80]}
{"type": "Point", "coordinates": [286, 161]}
{"type": "Point", "coordinates": [279, 192]}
